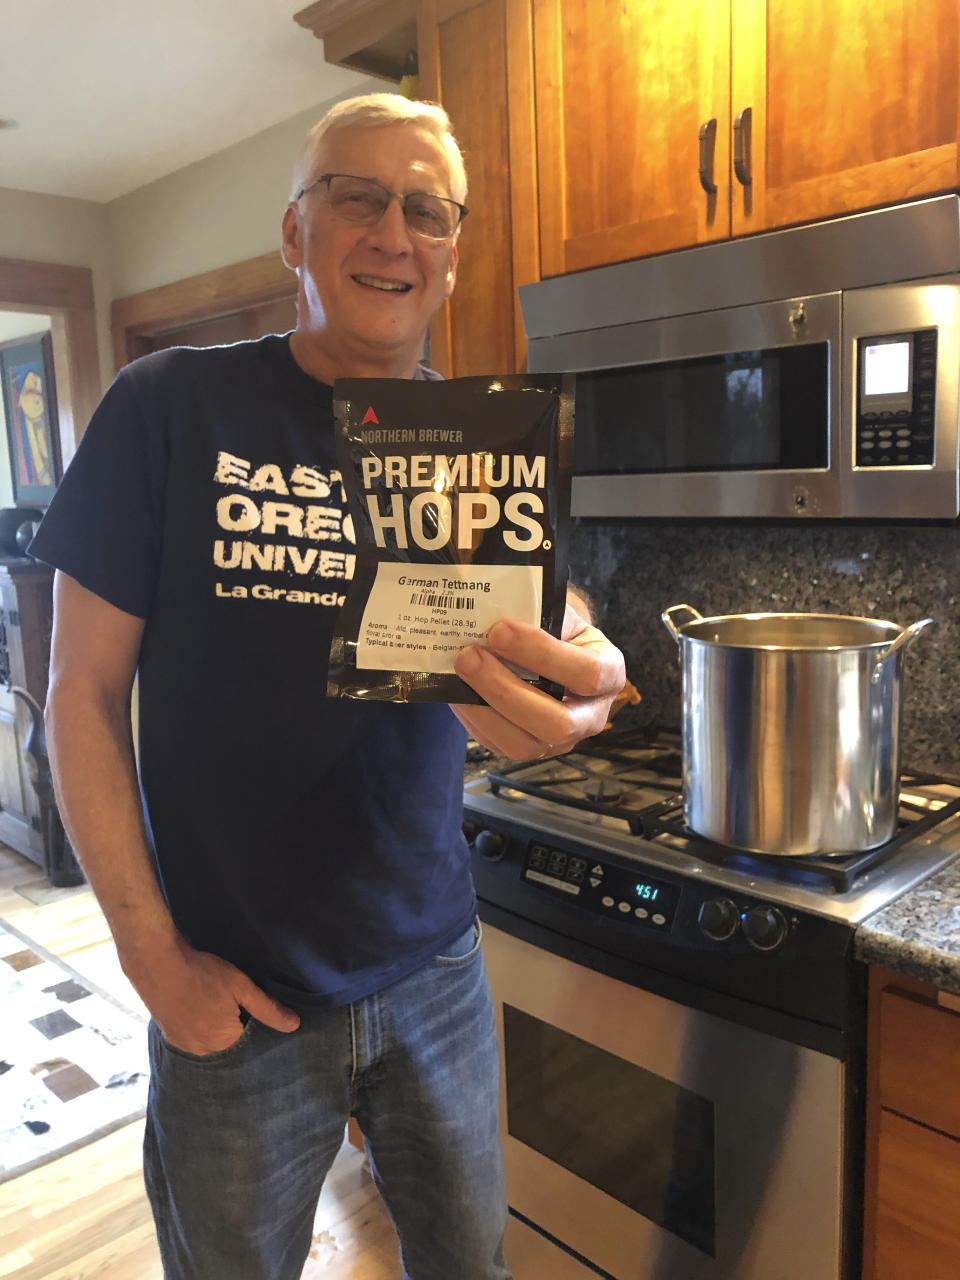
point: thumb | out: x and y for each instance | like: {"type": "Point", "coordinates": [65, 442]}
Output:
{"type": "Point", "coordinates": [264, 1008]}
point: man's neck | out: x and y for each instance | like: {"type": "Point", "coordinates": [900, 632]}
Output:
{"type": "Point", "coordinates": [320, 361]}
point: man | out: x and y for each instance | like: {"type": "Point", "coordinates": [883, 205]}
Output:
{"type": "Point", "coordinates": [292, 897]}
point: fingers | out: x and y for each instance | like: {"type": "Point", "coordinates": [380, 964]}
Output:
{"type": "Point", "coordinates": [584, 661]}
{"type": "Point", "coordinates": [522, 721]}
{"type": "Point", "coordinates": [263, 1007]}
{"type": "Point", "coordinates": [497, 734]}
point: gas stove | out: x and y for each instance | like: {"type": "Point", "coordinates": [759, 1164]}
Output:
{"type": "Point", "coordinates": [621, 793]}
{"type": "Point", "coordinates": [630, 959]}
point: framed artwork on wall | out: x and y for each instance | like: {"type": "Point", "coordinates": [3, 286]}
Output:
{"type": "Point", "coordinates": [30, 408]}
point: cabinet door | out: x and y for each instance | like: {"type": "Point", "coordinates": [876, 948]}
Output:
{"type": "Point", "coordinates": [916, 1219]}
{"type": "Point", "coordinates": [465, 48]}
{"type": "Point", "coordinates": [852, 104]}
{"type": "Point", "coordinates": [621, 93]}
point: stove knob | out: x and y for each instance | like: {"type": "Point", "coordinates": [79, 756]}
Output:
{"type": "Point", "coordinates": [764, 928]}
{"type": "Point", "coordinates": [490, 845]}
{"type": "Point", "coordinates": [470, 829]}
{"type": "Point", "coordinates": [719, 918]}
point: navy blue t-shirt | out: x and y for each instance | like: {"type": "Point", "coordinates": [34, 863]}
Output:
{"type": "Point", "coordinates": [313, 842]}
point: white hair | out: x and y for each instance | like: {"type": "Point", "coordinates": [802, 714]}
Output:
{"type": "Point", "coordinates": [374, 110]}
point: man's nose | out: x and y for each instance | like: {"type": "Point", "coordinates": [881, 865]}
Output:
{"type": "Point", "coordinates": [390, 232]}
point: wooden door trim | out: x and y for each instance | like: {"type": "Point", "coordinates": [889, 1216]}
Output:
{"type": "Point", "coordinates": [66, 295]}
{"type": "Point", "coordinates": [200, 297]}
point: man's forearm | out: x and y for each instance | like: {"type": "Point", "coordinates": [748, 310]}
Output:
{"type": "Point", "coordinates": [91, 754]}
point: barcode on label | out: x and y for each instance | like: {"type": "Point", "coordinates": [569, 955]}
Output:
{"type": "Point", "coordinates": [432, 600]}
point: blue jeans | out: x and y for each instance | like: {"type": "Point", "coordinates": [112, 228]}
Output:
{"type": "Point", "coordinates": [238, 1142]}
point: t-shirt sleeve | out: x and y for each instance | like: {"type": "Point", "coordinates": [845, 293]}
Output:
{"type": "Point", "coordinates": [103, 526]}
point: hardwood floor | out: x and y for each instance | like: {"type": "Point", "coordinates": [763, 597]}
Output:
{"type": "Point", "coordinates": [85, 1215]}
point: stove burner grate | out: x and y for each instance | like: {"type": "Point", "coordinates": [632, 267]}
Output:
{"type": "Point", "coordinates": [602, 793]}
{"type": "Point", "coordinates": [595, 798]}
{"type": "Point", "coordinates": [840, 871]}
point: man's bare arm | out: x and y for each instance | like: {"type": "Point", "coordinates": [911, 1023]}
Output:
{"type": "Point", "coordinates": [193, 996]}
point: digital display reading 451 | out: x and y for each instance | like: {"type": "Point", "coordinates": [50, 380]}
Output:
{"type": "Point", "coordinates": [608, 890]}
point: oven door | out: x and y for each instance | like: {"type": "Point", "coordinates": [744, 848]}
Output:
{"type": "Point", "coordinates": [726, 413]}
{"type": "Point", "coordinates": [654, 1140]}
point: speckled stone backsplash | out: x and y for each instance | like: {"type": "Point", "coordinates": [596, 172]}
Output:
{"type": "Point", "coordinates": [896, 573]}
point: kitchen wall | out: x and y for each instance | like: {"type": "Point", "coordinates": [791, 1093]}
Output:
{"type": "Point", "coordinates": [900, 573]}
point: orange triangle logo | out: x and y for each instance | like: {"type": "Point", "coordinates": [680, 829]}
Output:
{"type": "Point", "coordinates": [370, 416]}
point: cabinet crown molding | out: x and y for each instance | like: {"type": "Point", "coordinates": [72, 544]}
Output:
{"type": "Point", "coordinates": [329, 15]}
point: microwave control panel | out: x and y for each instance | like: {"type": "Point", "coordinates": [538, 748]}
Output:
{"type": "Point", "coordinates": [896, 399]}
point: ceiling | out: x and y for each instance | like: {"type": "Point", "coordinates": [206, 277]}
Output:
{"type": "Point", "coordinates": [99, 97]}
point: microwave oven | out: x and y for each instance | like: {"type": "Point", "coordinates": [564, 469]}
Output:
{"type": "Point", "coordinates": [712, 383]}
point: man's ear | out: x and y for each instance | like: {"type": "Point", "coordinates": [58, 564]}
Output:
{"type": "Point", "coordinates": [452, 271]}
{"type": "Point", "coordinates": [291, 247]}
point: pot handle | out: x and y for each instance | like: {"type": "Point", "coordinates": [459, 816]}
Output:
{"type": "Point", "coordinates": [668, 622]}
{"type": "Point", "coordinates": [906, 636]}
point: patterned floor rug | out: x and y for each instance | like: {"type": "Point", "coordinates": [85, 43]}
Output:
{"type": "Point", "coordinates": [73, 1062]}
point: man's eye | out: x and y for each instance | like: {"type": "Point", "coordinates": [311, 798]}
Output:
{"type": "Point", "coordinates": [429, 217]}
{"type": "Point", "coordinates": [360, 199]}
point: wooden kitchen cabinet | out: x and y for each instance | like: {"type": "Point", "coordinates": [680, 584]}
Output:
{"type": "Point", "coordinates": [854, 103]}
{"type": "Point", "coordinates": [837, 107]}
{"type": "Point", "coordinates": [475, 57]}
{"type": "Point", "coordinates": [913, 1132]}
{"type": "Point", "coordinates": [621, 95]}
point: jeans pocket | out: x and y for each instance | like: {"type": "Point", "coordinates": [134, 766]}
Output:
{"type": "Point", "coordinates": [218, 1055]}
{"type": "Point", "coordinates": [462, 950]}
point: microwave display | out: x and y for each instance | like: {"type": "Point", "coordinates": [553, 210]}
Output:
{"type": "Point", "coordinates": [763, 410]}
{"type": "Point", "coordinates": [896, 402]}
{"type": "Point", "coordinates": [886, 368]}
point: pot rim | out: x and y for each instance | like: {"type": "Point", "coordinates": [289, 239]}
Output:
{"type": "Point", "coordinates": [888, 631]}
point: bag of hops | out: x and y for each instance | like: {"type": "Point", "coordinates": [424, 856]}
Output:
{"type": "Point", "coordinates": [460, 498]}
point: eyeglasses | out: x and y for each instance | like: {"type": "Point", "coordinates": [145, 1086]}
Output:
{"type": "Point", "coordinates": [365, 201]}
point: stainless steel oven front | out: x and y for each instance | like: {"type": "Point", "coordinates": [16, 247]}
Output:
{"type": "Point", "coordinates": [645, 1138]}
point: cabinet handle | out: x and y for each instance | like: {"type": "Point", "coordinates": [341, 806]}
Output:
{"type": "Point", "coordinates": [741, 147]}
{"type": "Point", "coordinates": [708, 139]}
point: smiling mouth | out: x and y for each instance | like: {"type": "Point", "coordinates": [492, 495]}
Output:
{"type": "Point", "coordinates": [386, 286]}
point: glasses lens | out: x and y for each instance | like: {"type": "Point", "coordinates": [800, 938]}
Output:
{"type": "Point", "coordinates": [431, 216]}
{"type": "Point", "coordinates": [357, 199]}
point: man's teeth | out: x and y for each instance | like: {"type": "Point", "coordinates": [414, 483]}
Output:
{"type": "Point", "coordinates": [392, 286]}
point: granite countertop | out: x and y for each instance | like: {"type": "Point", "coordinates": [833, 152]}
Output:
{"type": "Point", "coordinates": [918, 935]}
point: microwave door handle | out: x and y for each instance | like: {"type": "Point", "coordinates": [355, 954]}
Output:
{"type": "Point", "coordinates": [708, 139]}
{"type": "Point", "coordinates": [741, 146]}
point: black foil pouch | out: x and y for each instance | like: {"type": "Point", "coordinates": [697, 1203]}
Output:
{"type": "Point", "coordinates": [460, 498]}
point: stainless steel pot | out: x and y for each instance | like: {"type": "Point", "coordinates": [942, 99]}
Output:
{"type": "Point", "coordinates": [791, 729]}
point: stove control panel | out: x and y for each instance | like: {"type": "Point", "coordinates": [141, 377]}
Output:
{"type": "Point", "coordinates": [632, 897]}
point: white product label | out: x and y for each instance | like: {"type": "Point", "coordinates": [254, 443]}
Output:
{"type": "Point", "coordinates": [418, 618]}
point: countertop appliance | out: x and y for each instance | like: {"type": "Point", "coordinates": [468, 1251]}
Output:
{"type": "Point", "coordinates": [681, 1024]}
{"type": "Point", "coordinates": [813, 371]}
